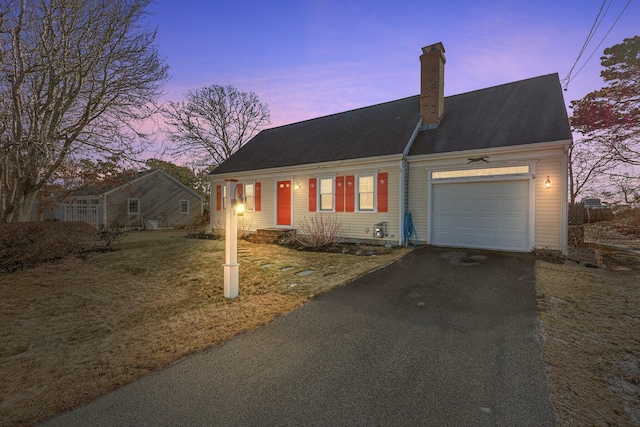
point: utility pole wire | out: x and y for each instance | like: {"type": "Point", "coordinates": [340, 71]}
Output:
{"type": "Point", "coordinates": [594, 27]}
{"type": "Point", "coordinates": [569, 77]}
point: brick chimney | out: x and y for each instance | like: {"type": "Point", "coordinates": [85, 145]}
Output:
{"type": "Point", "coordinates": [432, 63]}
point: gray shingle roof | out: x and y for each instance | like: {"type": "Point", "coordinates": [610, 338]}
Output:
{"type": "Point", "coordinates": [518, 113]}
{"type": "Point", "coordinates": [371, 131]}
{"type": "Point", "coordinates": [522, 112]}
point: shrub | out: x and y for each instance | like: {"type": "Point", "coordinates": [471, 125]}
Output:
{"type": "Point", "coordinates": [628, 222]}
{"type": "Point", "coordinates": [109, 237]}
{"type": "Point", "coordinates": [27, 244]}
{"type": "Point", "coordinates": [245, 227]}
{"type": "Point", "coordinates": [318, 231]}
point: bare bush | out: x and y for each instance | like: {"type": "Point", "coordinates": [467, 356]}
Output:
{"type": "Point", "coordinates": [245, 227]}
{"type": "Point", "coordinates": [27, 244]}
{"type": "Point", "coordinates": [217, 228]}
{"type": "Point", "coordinates": [318, 231]}
{"type": "Point", "coordinates": [628, 222]}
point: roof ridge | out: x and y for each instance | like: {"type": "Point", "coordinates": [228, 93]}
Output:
{"type": "Point", "coordinates": [502, 84]}
{"type": "Point", "coordinates": [402, 99]}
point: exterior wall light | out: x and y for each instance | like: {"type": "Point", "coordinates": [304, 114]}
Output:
{"type": "Point", "coordinates": [547, 183]}
{"type": "Point", "coordinates": [296, 186]}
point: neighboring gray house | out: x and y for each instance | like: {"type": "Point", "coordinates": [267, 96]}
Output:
{"type": "Point", "coordinates": [149, 200]}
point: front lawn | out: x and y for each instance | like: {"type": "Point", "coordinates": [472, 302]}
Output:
{"type": "Point", "coordinates": [73, 330]}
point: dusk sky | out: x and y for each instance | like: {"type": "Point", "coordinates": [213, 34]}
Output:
{"type": "Point", "coordinates": [307, 59]}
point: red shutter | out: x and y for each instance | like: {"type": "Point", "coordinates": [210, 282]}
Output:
{"type": "Point", "coordinates": [383, 180]}
{"type": "Point", "coordinates": [349, 191]}
{"type": "Point", "coordinates": [239, 194]}
{"type": "Point", "coordinates": [312, 195]}
{"type": "Point", "coordinates": [219, 197]}
{"type": "Point", "coordinates": [256, 194]}
{"type": "Point", "coordinates": [340, 194]}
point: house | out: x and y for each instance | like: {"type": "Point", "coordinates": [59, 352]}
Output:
{"type": "Point", "coordinates": [484, 169]}
{"type": "Point", "coordinates": [147, 200]}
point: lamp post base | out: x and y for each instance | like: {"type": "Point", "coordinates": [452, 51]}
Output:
{"type": "Point", "coordinates": [231, 280]}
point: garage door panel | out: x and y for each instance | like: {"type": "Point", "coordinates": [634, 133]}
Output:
{"type": "Point", "coordinates": [490, 215]}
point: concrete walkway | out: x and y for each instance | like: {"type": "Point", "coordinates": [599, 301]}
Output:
{"type": "Point", "coordinates": [441, 337]}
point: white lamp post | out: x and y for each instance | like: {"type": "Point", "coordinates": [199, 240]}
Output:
{"type": "Point", "coordinates": [233, 208]}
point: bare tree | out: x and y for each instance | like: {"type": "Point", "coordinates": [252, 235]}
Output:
{"type": "Point", "coordinates": [587, 167]}
{"type": "Point", "coordinates": [75, 77]}
{"type": "Point", "coordinates": [214, 122]}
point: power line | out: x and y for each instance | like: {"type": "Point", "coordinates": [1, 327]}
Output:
{"type": "Point", "coordinates": [594, 27]}
{"type": "Point", "coordinates": [601, 41]}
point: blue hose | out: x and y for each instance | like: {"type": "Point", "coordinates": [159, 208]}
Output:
{"type": "Point", "coordinates": [410, 236]}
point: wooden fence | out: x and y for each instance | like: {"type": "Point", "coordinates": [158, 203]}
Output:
{"type": "Point", "coordinates": [579, 215]}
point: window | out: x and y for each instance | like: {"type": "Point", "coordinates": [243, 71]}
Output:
{"type": "Point", "coordinates": [224, 197]}
{"type": "Point", "coordinates": [134, 206]}
{"type": "Point", "coordinates": [249, 197]}
{"type": "Point", "coordinates": [326, 194]}
{"type": "Point", "coordinates": [467, 173]}
{"type": "Point", "coordinates": [366, 185]}
{"type": "Point", "coordinates": [95, 201]}
{"type": "Point", "coordinates": [184, 207]}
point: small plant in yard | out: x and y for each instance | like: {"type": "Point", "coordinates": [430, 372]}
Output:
{"type": "Point", "coordinates": [318, 231]}
{"type": "Point", "coordinates": [109, 235]}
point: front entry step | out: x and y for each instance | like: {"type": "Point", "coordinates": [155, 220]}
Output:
{"type": "Point", "coordinates": [270, 235]}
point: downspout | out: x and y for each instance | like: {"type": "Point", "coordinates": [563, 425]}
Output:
{"type": "Point", "coordinates": [404, 183]}
{"type": "Point", "coordinates": [565, 214]}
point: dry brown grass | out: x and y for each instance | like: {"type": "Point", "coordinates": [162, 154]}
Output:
{"type": "Point", "coordinates": [74, 330]}
{"type": "Point", "coordinates": [591, 339]}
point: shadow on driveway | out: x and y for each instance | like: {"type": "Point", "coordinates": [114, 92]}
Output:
{"type": "Point", "coordinates": [441, 337]}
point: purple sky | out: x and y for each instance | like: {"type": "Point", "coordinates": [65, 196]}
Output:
{"type": "Point", "coordinates": [307, 59]}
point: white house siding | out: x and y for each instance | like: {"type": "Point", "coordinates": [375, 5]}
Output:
{"type": "Point", "coordinates": [357, 226]}
{"type": "Point", "coordinates": [549, 204]}
{"type": "Point", "coordinates": [547, 159]}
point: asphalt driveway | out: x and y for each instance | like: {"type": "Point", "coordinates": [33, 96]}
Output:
{"type": "Point", "coordinates": [441, 337]}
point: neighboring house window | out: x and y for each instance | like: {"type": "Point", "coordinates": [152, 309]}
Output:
{"type": "Point", "coordinates": [184, 206]}
{"type": "Point", "coordinates": [249, 196]}
{"type": "Point", "coordinates": [95, 201]}
{"type": "Point", "coordinates": [366, 186]}
{"type": "Point", "coordinates": [326, 194]}
{"type": "Point", "coordinates": [134, 206]}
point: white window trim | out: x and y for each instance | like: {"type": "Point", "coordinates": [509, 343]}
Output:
{"type": "Point", "coordinates": [319, 194]}
{"type": "Point", "coordinates": [180, 206]}
{"type": "Point", "coordinates": [375, 193]}
{"type": "Point", "coordinates": [244, 190]}
{"type": "Point", "coordinates": [129, 200]}
{"type": "Point", "coordinates": [224, 196]}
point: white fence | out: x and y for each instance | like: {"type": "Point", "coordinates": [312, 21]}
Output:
{"type": "Point", "coordinates": [82, 213]}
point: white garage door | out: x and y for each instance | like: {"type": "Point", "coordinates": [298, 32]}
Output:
{"type": "Point", "coordinates": [487, 215]}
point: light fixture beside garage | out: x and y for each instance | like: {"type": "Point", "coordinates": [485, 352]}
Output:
{"type": "Point", "coordinates": [547, 183]}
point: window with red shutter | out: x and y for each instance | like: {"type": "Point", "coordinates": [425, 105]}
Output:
{"type": "Point", "coordinates": [349, 193]}
{"type": "Point", "coordinates": [219, 197]}
{"type": "Point", "coordinates": [312, 194]}
{"type": "Point", "coordinates": [340, 194]}
{"type": "Point", "coordinates": [258, 192]}
{"type": "Point", "coordinates": [383, 185]}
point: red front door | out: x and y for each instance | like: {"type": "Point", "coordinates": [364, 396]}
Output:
{"type": "Point", "coordinates": [284, 202]}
